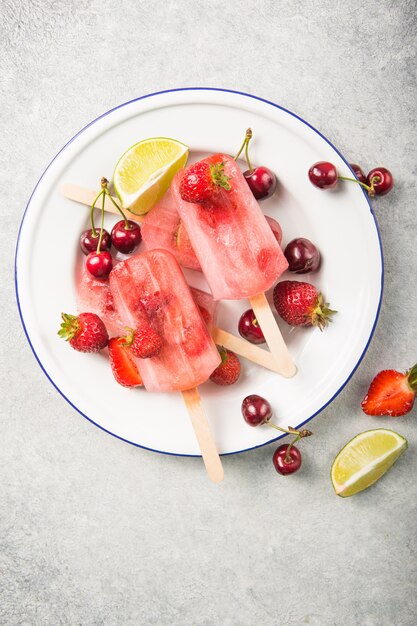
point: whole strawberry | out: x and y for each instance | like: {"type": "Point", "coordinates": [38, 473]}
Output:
{"type": "Point", "coordinates": [228, 371]}
{"type": "Point", "coordinates": [391, 393]}
{"type": "Point", "coordinates": [85, 332]}
{"type": "Point", "coordinates": [146, 342]}
{"type": "Point", "coordinates": [123, 364]}
{"type": "Point", "coordinates": [300, 304]}
{"type": "Point", "coordinates": [202, 182]}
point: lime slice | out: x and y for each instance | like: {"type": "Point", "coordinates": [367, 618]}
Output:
{"type": "Point", "coordinates": [365, 459]}
{"type": "Point", "coordinates": [144, 172]}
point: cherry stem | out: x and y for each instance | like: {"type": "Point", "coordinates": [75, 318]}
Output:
{"type": "Point", "coordinates": [288, 457]}
{"type": "Point", "coordinates": [369, 188]}
{"type": "Point", "coordinates": [245, 145]}
{"type": "Point", "coordinates": [291, 431]}
{"type": "Point", "coordinates": [103, 198]}
{"type": "Point", "coordinates": [104, 183]}
{"type": "Point", "coordinates": [93, 228]}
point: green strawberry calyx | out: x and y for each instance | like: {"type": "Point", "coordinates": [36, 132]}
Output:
{"type": "Point", "coordinates": [218, 176]}
{"type": "Point", "coordinates": [412, 378]}
{"type": "Point", "coordinates": [69, 326]}
{"type": "Point", "coordinates": [321, 314]}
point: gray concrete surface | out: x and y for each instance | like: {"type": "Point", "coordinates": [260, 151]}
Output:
{"type": "Point", "coordinates": [94, 531]}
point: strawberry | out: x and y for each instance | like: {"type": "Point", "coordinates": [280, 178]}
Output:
{"type": "Point", "coordinates": [228, 371]}
{"type": "Point", "coordinates": [145, 342]}
{"type": "Point", "coordinates": [300, 304]}
{"type": "Point", "coordinates": [202, 181]}
{"type": "Point", "coordinates": [123, 364]}
{"type": "Point", "coordinates": [391, 393]}
{"type": "Point", "coordinates": [85, 332]}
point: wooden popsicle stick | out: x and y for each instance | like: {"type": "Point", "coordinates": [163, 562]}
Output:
{"type": "Point", "coordinates": [245, 349]}
{"type": "Point", "coordinates": [272, 334]}
{"type": "Point", "coordinates": [86, 196]}
{"type": "Point", "coordinates": [203, 435]}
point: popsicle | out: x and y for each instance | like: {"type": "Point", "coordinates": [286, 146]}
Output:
{"type": "Point", "coordinates": [236, 248]}
{"type": "Point", "coordinates": [150, 289]}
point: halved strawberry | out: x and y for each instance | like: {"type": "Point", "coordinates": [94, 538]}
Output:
{"type": "Point", "coordinates": [123, 364]}
{"type": "Point", "coordinates": [391, 393]}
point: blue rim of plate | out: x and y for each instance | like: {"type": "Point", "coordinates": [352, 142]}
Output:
{"type": "Point", "coordinates": [240, 93]}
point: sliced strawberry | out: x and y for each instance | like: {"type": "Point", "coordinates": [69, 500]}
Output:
{"type": "Point", "coordinates": [123, 364]}
{"type": "Point", "coordinates": [391, 393]}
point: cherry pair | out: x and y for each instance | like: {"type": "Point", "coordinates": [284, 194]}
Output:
{"type": "Point", "coordinates": [378, 182]}
{"type": "Point", "coordinates": [96, 243]}
{"type": "Point", "coordinates": [286, 458]}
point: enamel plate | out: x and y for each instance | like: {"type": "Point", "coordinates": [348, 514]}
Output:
{"type": "Point", "coordinates": [340, 223]}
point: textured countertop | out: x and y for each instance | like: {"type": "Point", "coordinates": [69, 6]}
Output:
{"type": "Point", "coordinates": [94, 531]}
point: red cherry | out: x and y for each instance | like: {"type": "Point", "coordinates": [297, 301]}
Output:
{"type": "Point", "coordinates": [99, 264]}
{"type": "Point", "coordinates": [126, 239]}
{"type": "Point", "coordinates": [89, 243]}
{"type": "Point", "coordinates": [358, 171]}
{"type": "Point", "coordinates": [256, 410]}
{"type": "Point", "coordinates": [382, 180]}
{"type": "Point", "coordinates": [275, 227]}
{"type": "Point", "coordinates": [262, 182]}
{"type": "Point", "coordinates": [323, 175]}
{"type": "Point", "coordinates": [249, 328]}
{"type": "Point", "coordinates": [284, 466]}
{"type": "Point", "coordinates": [302, 256]}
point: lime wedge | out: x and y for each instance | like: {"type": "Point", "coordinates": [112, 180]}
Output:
{"type": "Point", "coordinates": [144, 172]}
{"type": "Point", "coordinates": [365, 459]}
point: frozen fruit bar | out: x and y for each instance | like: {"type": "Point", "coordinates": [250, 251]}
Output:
{"type": "Point", "coordinates": [150, 288]}
{"type": "Point", "coordinates": [237, 251]}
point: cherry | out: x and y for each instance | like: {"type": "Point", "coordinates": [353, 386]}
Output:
{"type": "Point", "coordinates": [262, 182]}
{"type": "Point", "coordinates": [89, 241]}
{"type": "Point", "coordinates": [358, 171]}
{"type": "Point", "coordinates": [249, 328]}
{"type": "Point", "coordinates": [302, 256]}
{"type": "Point", "coordinates": [380, 180]}
{"type": "Point", "coordinates": [126, 236]}
{"type": "Point", "coordinates": [275, 227]}
{"type": "Point", "coordinates": [256, 410]}
{"type": "Point", "coordinates": [323, 175]}
{"type": "Point", "coordinates": [287, 459]}
{"type": "Point", "coordinates": [99, 264]}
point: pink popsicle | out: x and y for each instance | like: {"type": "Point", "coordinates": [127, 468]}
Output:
{"type": "Point", "coordinates": [237, 251]}
{"type": "Point", "coordinates": [153, 283]}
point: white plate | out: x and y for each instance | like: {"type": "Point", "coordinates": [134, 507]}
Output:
{"type": "Point", "coordinates": [341, 223]}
